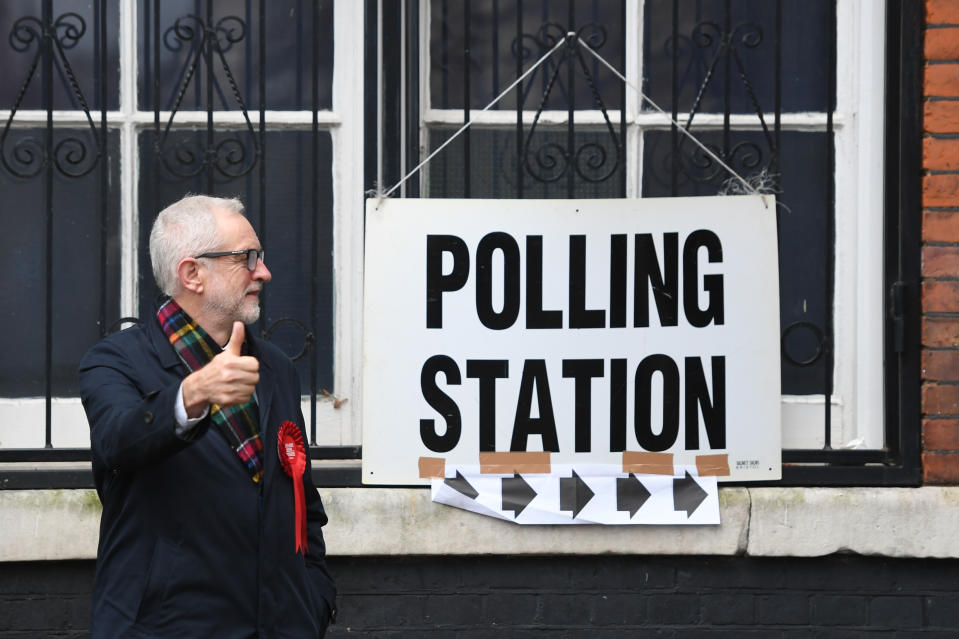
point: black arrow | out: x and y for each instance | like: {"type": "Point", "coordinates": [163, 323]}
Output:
{"type": "Point", "coordinates": [687, 494]}
{"type": "Point", "coordinates": [574, 494]}
{"type": "Point", "coordinates": [630, 494]}
{"type": "Point", "coordinates": [460, 485]}
{"type": "Point", "coordinates": [516, 494]}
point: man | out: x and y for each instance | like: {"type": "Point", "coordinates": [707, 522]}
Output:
{"type": "Point", "coordinates": [201, 533]}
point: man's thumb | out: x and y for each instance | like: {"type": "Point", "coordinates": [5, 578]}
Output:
{"type": "Point", "coordinates": [235, 346]}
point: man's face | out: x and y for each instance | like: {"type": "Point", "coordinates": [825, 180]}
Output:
{"type": "Point", "coordinates": [232, 291]}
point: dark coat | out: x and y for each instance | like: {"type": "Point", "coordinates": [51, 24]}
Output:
{"type": "Point", "coordinates": [189, 545]}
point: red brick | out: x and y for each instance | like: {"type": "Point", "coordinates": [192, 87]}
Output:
{"type": "Point", "coordinates": [941, 332]}
{"type": "Point", "coordinates": [940, 434]}
{"type": "Point", "coordinates": [940, 261]}
{"type": "Point", "coordinates": [942, 44]}
{"type": "Point", "coordinates": [940, 154]}
{"type": "Point", "coordinates": [942, 12]}
{"type": "Point", "coordinates": [940, 296]}
{"type": "Point", "coordinates": [940, 468]}
{"type": "Point", "coordinates": [940, 190]}
{"type": "Point", "coordinates": [940, 399]}
{"type": "Point", "coordinates": [940, 226]}
{"type": "Point", "coordinates": [942, 80]}
{"type": "Point", "coordinates": [940, 366]}
{"type": "Point", "coordinates": [941, 116]}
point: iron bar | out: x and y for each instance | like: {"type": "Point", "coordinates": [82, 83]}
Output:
{"type": "Point", "coordinates": [47, 44]}
{"type": "Point", "coordinates": [261, 151]}
{"type": "Point", "coordinates": [494, 44]}
{"type": "Point", "coordinates": [777, 110]}
{"type": "Point", "coordinates": [467, 166]}
{"type": "Point", "coordinates": [830, 234]}
{"type": "Point", "coordinates": [570, 101]}
{"type": "Point", "coordinates": [726, 47]}
{"type": "Point", "coordinates": [27, 455]}
{"type": "Point", "coordinates": [622, 100]}
{"type": "Point", "coordinates": [100, 83]}
{"type": "Point", "coordinates": [155, 174]}
{"type": "Point", "coordinates": [520, 149]}
{"type": "Point", "coordinates": [208, 43]}
{"type": "Point", "coordinates": [673, 127]}
{"type": "Point", "coordinates": [314, 218]}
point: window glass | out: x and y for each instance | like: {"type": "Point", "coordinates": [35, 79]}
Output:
{"type": "Point", "coordinates": [493, 51]}
{"type": "Point", "coordinates": [77, 62]}
{"type": "Point", "coordinates": [750, 26]}
{"type": "Point", "coordinates": [77, 264]}
{"type": "Point", "coordinates": [184, 76]}
{"type": "Point", "coordinates": [597, 169]}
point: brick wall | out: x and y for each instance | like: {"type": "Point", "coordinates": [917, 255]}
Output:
{"type": "Point", "coordinates": [571, 597]}
{"type": "Point", "coordinates": [940, 251]}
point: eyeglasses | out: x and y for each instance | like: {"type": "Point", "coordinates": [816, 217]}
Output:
{"type": "Point", "coordinates": [252, 255]}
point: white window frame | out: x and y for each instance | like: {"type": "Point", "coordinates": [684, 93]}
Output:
{"type": "Point", "coordinates": [21, 419]}
{"type": "Point", "coordinates": [857, 400]}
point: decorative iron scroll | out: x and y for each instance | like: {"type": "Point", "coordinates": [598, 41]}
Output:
{"type": "Point", "coordinates": [309, 340]}
{"type": "Point", "coordinates": [232, 156]}
{"type": "Point", "coordinates": [719, 44]}
{"type": "Point", "coordinates": [818, 336]}
{"type": "Point", "coordinates": [27, 157]}
{"type": "Point", "coordinates": [551, 161]}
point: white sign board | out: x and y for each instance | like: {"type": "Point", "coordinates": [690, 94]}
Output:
{"type": "Point", "coordinates": [639, 334]}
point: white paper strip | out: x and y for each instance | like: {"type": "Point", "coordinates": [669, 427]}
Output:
{"type": "Point", "coordinates": [582, 495]}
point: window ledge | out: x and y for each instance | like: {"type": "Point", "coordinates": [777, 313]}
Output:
{"type": "Point", "coordinates": [761, 522]}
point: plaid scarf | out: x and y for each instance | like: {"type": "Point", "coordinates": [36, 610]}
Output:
{"type": "Point", "coordinates": [239, 424]}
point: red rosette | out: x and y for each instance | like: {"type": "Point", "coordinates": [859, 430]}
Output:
{"type": "Point", "coordinates": [293, 460]}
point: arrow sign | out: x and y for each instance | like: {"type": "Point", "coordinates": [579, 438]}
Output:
{"type": "Point", "coordinates": [631, 494]}
{"type": "Point", "coordinates": [517, 494]}
{"type": "Point", "coordinates": [574, 494]}
{"type": "Point", "coordinates": [460, 485]}
{"type": "Point", "coordinates": [582, 494]}
{"type": "Point", "coordinates": [687, 494]}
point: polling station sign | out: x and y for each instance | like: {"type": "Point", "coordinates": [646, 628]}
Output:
{"type": "Point", "coordinates": [642, 334]}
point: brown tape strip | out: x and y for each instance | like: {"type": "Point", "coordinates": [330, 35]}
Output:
{"type": "Point", "coordinates": [503, 463]}
{"type": "Point", "coordinates": [432, 467]}
{"type": "Point", "coordinates": [647, 463]}
{"type": "Point", "coordinates": [712, 465]}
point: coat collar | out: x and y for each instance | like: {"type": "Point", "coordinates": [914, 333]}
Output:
{"type": "Point", "coordinates": [165, 353]}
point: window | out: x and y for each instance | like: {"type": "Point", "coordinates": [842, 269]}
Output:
{"type": "Point", "coordinates": [113, 109]}
{"type": "Point", "coordinates": [790, 94]}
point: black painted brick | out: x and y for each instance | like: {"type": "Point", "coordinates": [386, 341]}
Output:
{"type": "Point", "coordinates": [729, 608]}
{"type": "Point", "coordinates": [566, 609]}
{"type": "Point", "coordinates": [785, 609]}
{"type": "Point", "coordinates": [942, 612]}
{"type": "Point", "coordinates": [511, 609]}
{"type": "Point", "coordinates": [902, 612]}
{"type": "Point", "coordinates": [928, 576]}
{"type": "Point", "coordinates": [373, 611]}
{"type": "Point", "coordinates": [839, 610]}
{"type": "Point", "coordinates": [725, 572]}
{"type": "Point", "coordinates": [618, 609]}
{"type": "Point", "coordinates": [672, 609]}
{"type": "Point", "coordinates": [453, 609]}
{"type": "Point", "coordinates": [605, 573]}
{"type": "Point", "coordinates": [840, 573]}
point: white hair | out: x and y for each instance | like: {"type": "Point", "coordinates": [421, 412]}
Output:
{"type": "Point", "coordinates": [186, 228]}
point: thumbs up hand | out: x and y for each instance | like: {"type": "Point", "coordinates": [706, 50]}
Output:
{"type": "Point", "coordinates": [229, 379]}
